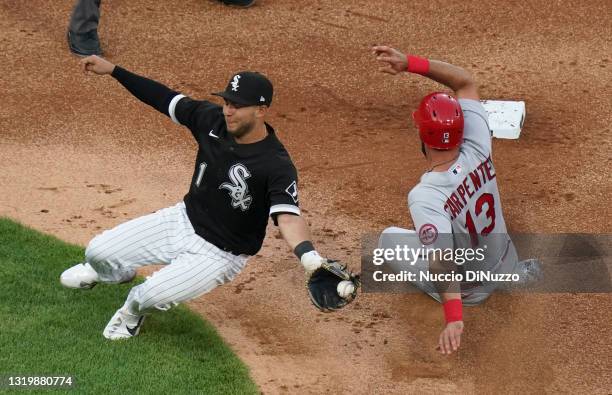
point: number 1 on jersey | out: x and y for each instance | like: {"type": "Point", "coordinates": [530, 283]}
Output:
{"type": "Point", "coordinates": [200, 173]}
{"type": "Point", "coordinates": [490, 213]}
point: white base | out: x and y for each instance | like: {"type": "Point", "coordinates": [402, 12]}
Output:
{"type": "Point", "coordinates": [505, 118]}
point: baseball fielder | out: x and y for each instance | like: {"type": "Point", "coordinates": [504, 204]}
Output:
{"type": "Point", "coordinates": [456, 204]}
{"type": "Point", "coordinates": [242, 175]}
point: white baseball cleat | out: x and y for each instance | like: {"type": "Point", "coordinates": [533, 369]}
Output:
{"type": "Point", "coordinates": [123, 325]}
{"type": "Point", "coordinates": [81, 276]}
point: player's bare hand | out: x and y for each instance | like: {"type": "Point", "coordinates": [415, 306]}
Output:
{"type": "Point", "coordinates": [394, 61]}
{"type": "Point", "coordinates": [96, 65]}
{"type": "Point", "coordinates": [450, 338]}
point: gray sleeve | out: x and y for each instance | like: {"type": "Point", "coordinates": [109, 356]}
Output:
{"type": "Point", "coordinates": [476, 131]}
{"type": "Point", "coordinates": [432, 224]}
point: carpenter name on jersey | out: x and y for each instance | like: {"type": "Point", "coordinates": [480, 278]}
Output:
{"type": "Point", "coordinates": [235, 187]}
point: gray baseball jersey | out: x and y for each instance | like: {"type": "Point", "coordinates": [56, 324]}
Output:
{"type": "Point", "coordinates": [461, 207]}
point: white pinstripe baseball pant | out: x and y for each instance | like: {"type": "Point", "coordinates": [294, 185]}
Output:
{"type": "Point", "coordinates": [194, 266]}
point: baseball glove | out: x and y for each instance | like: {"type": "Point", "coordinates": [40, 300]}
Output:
{"type": "Point", "coordinates": [323, 286]}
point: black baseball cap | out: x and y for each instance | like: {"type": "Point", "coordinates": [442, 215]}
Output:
{"type": "Point", "coordinates": [248, 88]}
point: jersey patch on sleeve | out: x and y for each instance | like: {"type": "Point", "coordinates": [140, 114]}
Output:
{"type": "Point", "coordinates": [428, 233]}
{"type": "Point", "coordinates": [292, 191]}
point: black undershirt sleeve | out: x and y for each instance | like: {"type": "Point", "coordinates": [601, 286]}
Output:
{"type": "Point", "coordinates": [148, 91]}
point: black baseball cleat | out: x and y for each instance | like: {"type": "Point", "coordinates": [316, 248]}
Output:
{"type": "Point", "coordinates": [239, 3]}
{"type": "Point", "coordinates": [84, 44]}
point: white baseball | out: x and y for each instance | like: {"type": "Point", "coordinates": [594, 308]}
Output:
{"type": "Point", "coordinates": [345, 288]}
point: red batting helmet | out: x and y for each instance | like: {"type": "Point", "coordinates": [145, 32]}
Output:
{"type": "Point", "coordinates": [440, 121]}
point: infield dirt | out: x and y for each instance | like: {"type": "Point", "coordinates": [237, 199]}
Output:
{"type": "Point", "coordinates": [80, 155]}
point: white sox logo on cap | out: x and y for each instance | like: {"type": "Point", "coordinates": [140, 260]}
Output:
{"type": "Point", "coordinates": [235, 82]}
{"type": "Point", "coordinates": [248, 88]}
{"type": "Point", "coordinates": [238, 189]}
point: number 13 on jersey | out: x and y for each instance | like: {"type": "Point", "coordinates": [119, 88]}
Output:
{"type": "Point", "coordinates": [484, 199]}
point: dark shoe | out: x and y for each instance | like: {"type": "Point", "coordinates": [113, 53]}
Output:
{"type": "Point", "coordinates": [239, 3]}
{"type": "Point", "coordinates": [84, 44]}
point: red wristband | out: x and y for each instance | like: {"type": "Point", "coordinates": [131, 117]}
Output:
{"type": "Point", "coordinates": [453, 310]}
{"type": "Point", "coordinates": [417, 65]}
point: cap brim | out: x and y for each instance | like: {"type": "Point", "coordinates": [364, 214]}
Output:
{"type": "Point", "coordinates": [234, 98]}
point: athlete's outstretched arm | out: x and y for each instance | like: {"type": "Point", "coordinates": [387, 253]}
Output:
{"type": "Point", "coordinates": [148, 91]}
{"type": "Point", "coordinates": [296, 233]}
{"type": "Point", "coordinates": [293, 228]}
{"type": "Point", "coordinates": [454, 77]}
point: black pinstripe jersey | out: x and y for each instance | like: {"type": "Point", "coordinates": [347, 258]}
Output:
{"type": "Point", "coordinates": [235, 187]}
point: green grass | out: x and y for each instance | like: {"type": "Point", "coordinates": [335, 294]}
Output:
{"type": "Point", "coordinates": [48, 329]}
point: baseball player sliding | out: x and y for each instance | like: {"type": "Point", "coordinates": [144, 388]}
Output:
{"type": "Point", "coordinates": [242, 175]}
{"type": "Point", "coordinates": [456, 204]}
